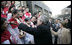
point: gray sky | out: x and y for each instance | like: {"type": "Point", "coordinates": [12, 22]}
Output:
{"type": "Point", "coordinates": [56, 6]}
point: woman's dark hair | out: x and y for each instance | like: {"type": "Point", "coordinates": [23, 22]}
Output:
{"type": "Point", "coordinates": [67, 19]}
{"type": "Point", "coordinates": [11, 7]}
{"type": "Point", "coordinates": [2, 22]}
{"type": "Point", "coordinates": [15, 11]}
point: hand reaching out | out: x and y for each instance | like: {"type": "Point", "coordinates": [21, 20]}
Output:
{"type": "Point", "coordinates": [22, 34]}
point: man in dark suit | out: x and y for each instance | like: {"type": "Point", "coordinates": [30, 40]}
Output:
{"type": "Point", "coordinates": [42, 34]}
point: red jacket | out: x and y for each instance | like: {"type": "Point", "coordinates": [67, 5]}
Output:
{"type": "Point", "coordinates": [27, 14]}
{"type": "Point", "coordinates": [5, 9]}
{"type": "Point", "coordinates": [13, 26]}
{"type": "Point", "coordinates": [5, 36]}
{"type": "Point", "coordinates": [3, 16]}
{"type": "Point", "coordinates": [23, 18]}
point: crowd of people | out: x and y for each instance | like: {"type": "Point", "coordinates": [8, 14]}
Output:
{"type": "Point", "coordinates": [19, 26]}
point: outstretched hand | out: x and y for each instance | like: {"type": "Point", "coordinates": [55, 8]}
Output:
{"type": "Point", "coordinates": [22, 34]}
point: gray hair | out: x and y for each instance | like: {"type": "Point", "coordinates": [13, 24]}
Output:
{"type": "Point", "coordinates": [43, 18]}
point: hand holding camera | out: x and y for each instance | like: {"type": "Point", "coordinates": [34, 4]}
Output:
{"type": "Point", "coordinates": [22, 34]}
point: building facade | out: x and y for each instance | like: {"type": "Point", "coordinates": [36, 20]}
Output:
{"type": "Point", "coordinates": [66, 13]}
{"type": "Point", "coordinates": [34, 6]}
{"type": "Point", "coordinates": [20, 3]}
{"type": "Point", "coordinates": [39, 6]}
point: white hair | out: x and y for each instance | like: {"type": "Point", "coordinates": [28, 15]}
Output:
{"type": "Point", "coordinates": [43, 18]}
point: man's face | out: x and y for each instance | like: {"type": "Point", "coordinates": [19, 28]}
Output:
{"type": "Point", "coordinates": [15, 15]}
{"type": "Point", "coordinates": [33, 19]}
{"type": "Point", "coordinates": [23, 8]}
{"type": "Point", "coordinates": [39, 22]}
{"type": "Point", "coordinates": [27, 9]}
{"type": "Point", "coordinates": [5, 24]}
{"type": "Point", "coordinates": [56, 21]}
{"type": "Point", "coordinates": [20, 13]}
{"type": "Point", "coordinates": [66, 20]}
{"type": "Point", "coordinates": [60, 25]}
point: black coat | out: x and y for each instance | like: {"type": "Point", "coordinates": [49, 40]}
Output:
{"type": "Point", "coordinates": [42, 34]}
{"type": "Point", "coordinates": [68, 25]}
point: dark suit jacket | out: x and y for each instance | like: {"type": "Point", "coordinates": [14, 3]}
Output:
{"type": "Point", "coordinates": [42, 34]}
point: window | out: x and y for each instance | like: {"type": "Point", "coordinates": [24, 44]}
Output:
{"type": "Point", "coordinates": [37, 8]}
{"type": "Point", "coordinates": [45, 11]}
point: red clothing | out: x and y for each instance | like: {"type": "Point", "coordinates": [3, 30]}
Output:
{"type": "Point", "coordinates": [5, 9]}
{"type": "Point", "coordinates": [28, 14]}
{"type": "Point", "coordinates": [23, 18]}
{"type": "Point", "coordinates": [13, 26]}
{"type": "Point", "coordinates": [5, 36]}
{"type": "Point", "coordinates": [3, 16]}
{"type": "Point", "coordinates": [5, 12]}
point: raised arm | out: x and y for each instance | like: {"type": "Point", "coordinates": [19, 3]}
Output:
{"type": "Point", "coordinates": [53, 32]}
{"type": "Point", "coordinates": [27, 29]}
